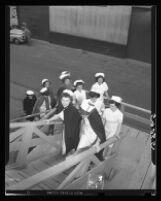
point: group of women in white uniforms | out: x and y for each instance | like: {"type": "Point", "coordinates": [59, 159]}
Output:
{"type": "Point", "coordinates": [95, 123]}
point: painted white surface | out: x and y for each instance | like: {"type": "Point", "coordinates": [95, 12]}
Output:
{"type": "Point", "coordinates": [107, 23]}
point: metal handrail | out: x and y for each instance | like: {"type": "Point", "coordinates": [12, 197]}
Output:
{"type": "Point", "coordinates": [136, 107]}
{"type": "Point", "coordinates": [31, 115]}
{"type": "Point", "coordinates": [123, 103]}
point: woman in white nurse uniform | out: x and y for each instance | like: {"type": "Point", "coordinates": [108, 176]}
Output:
{"type": "Point", "coordinates": [100, 86]}
{"type": "Point", "coordinates": [92, 130]}
{"type": "Point", "coordinates": [113, 118]}
{"type": "Point", "coordinates": [79, 93]}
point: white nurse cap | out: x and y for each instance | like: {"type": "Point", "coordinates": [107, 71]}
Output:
{"type": "Point", "coordinates": [116, 99]}
{"type": "Point", "coordinates": [100, 74]}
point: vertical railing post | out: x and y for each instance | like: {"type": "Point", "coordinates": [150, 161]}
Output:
{"type": "Point", "coordinates": [25, 143]}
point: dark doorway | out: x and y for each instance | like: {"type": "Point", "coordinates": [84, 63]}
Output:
{"type": "Point", "coordinates": [139, 41]}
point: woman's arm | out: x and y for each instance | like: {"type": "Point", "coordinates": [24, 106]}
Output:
{"type": "Point", "coordinates": [55, 117]}
{"type": "Point", "coordinates": [37, 105]}
{"type": "Point", "coordinates": [49, 113]}
{"type": "Point", "coordinates": [106, 96]}
{"type": "Point", "coordinates": [104, 118]}
{"type": "Point", "coordinates": [74, 100]}
{"type": "Point", "coordinates": [117, 134]}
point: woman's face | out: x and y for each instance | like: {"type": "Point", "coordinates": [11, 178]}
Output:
{"type": "Point", "coordinates": [67, 82]}
{"type": "Point", "coordinates": [47, 84]}
{"type": "Point", "coordinates": [30, 96]}
{"type": "Point", "coordinates": [93, 100]}
{"type": "Point", "coordinates": [80, 87]}
{"type": "Point", "coordinates": [113, 107]}
{"type": "Point", "coordinates": [100, 80]}
{"type": "Point", "coordinates": [65, 101]}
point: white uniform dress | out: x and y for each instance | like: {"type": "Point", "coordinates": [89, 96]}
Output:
{"type": "Point", "coordinates": [87, 134]}
{"type": "Point", "coordinates": [100, 88]}
{"type": "Point", "coordinates": [43, 109]}
{"type": "Point", "coordinates": [111, 121]}
{"type": "Point", "coordinates": [79, 96]}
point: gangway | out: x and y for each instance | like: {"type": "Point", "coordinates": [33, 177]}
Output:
{"type": "Point", "coordinates": [44, 168]}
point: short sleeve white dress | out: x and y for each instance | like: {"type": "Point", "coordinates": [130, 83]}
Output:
{"type": "Point", "coordinates": [111, 121]}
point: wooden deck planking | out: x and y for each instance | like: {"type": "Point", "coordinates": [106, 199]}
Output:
{"type": "Point", "coordinates": [42, 186]}
{"type": "Point", "coordinates": [80, 183]}
{"type": "Point", "coordinates": [52, 183]}
{"type": "Point", "coordinates": [9, 180]}
{"type": "Point", "coordinates": [59, 178]}
{"type": "Point", "coordinates": [142, 137]}
{"type": "Point", "coordinates": [56, 179]}
{"type": "Point", "coordinates": [121, 181]}
{"type": "Point", "coordinates": [69, 170]}
{"type": "Point", "coordinates": [37, 187]}
{"type": "Point", "coordinates": [141, 170]}
{"type": "Point", "coordinates": [32, 171]}
{"type": "Point", "coordinates": [22, 174]}
{"type": "Point", "coordinates": [46, 163]}
{"type": "Point", "coordinates": [149, 178]}
{"type": "Point", "coordinates": [133, 132]}
{"type": "Point", "coordinates": [124, 130]}
{"type": "Point", "coordinates": [14, 176]}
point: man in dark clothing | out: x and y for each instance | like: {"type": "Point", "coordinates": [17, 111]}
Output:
{"type": "Point", "coordinates": [28, 104]}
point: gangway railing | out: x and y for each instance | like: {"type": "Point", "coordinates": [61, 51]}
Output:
{"type": "Point", "coordinates": [127, 114]}
{"type": "Point", "coordinates": [82, 160]}
{"type": "Point", "coordinates": [136, 108]}
{"type": "Point", "coordinates": [25, 132]}
{"type": "Point", "coordinates": [31, 134]}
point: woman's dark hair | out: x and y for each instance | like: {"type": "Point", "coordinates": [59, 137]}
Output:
{"type": "Point", "coordinates": [93, 94]}
{"type": "Point", "coordinates": [66, 95]}
{"type": "Point", "coordinates": [118, 105]}
{"type": "Point", "coordinates": [33, 96]}
{"type": "Point", "coordinates": [45, 83]}
{"type": "Point", "coordinates": [79, 83]}
{"type": "Point", "coordinates": [96, 79]}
